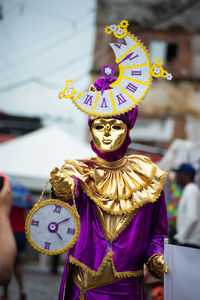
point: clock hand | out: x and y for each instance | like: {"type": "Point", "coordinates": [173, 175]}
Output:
{"type": "Point", "coordinates": [65, 220]}
{"type": "Point", "coordinates": [58, 235]}
{"type": "Point", "coordinates": [125, 58]}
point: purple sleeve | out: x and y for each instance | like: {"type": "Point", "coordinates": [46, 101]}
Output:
{"type": "Point", "coordinates": [158, 230]}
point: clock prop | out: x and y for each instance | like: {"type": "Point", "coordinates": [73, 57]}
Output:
{"type": "Point", "coordinates": [52, 226]}
{"type": "Point", "coordinates": [132, 84]}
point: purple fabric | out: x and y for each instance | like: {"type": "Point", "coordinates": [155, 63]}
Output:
{"type": "Point", "coordinates": [129, 118]}
{"type": "Point", "coordinates": [128, 287]}
{"type": "Point", "coordinates": [103, 83]}
{"type": "Point", "coordinates": [141, 239]}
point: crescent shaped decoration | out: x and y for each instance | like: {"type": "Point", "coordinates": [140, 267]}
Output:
{"type": "Point", "coordinates": [132, 84]}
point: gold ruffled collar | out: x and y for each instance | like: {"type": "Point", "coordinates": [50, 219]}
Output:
{"type": "Point", "coordinates": [119, 187]}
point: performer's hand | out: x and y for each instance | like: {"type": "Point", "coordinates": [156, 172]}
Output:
{"type": "Point", "coordinates": [61, 182]}
{"type": "Point", "coordinates": [159, 262]}
{"type": "Point", "coordinates": [158, 265]}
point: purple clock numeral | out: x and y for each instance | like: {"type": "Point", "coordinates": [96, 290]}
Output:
{"type": "Point", "coordinates": [71, 230]}
{"type": "Point", "coordinates": [57, 208]}
{"type": "Point", "coordinates": [47, 245]}
{"type": "Point", "coordinates": [88, 100]}
{"type": "Point", "coordinates": [35, 223]}
{"type": "Point", "coordinates": [131, 87]}
{"type": "Point", "coordinates": [104, 104]}
{"type": "Point", "coordinates": [131, 58]}
{"type": "Point", "coordinates": [118, 45]}
{"type": "Point", "coordinates": [121, 99]}
{"type": "Point", "coordinates": [136, 73]}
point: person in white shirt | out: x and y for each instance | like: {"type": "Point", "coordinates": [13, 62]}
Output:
{"type": "Point", "coordinates": [188, 218]}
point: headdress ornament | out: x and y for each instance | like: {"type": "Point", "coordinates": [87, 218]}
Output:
{"type": "Point", "coordinates": [132, 84]}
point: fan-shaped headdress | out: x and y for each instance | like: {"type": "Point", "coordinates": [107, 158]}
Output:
{"type": "Point", "coordinates": [132, 84]}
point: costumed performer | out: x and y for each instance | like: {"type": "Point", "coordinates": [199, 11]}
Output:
{"type": "Point", "coordinates": [115, 202]}
{"type": "Point", "coordinates": [120, 200]}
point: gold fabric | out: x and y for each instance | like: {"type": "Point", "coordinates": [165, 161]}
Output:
{"type": "Point", "coordinates": [85, 280]}
{"type": "Point", "coordinates": [117, 187]}
{"type": "Point", "coordinates": [113, 225]}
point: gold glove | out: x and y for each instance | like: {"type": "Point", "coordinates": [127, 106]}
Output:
{"type": "Point", "coordinates": [63, 185]}
{"type": "Point", "coordinates": [158, 265]}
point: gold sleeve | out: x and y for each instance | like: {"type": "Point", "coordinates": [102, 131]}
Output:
{"type": "Point", "coordinates": [63, 185]}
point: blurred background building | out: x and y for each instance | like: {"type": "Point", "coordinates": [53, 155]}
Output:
{"type": "Point", "coordinates": [171, 32]}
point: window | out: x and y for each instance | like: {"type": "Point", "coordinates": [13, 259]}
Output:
{"type": "Point", "coordinates": [172, 50]}
{"type": "Point", "coordinates": [158, 49]}
{"type": "Point", "coordinates": [164, 51]}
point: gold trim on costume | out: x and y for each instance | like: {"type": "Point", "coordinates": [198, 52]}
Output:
{"type": "Point", "coordinates": [88, 269]}
{"type": "Point", "coordinates": [84, 280]}
{"type": "Point", "coordinates": [109, 256]}
{"type": "Point", "coordinates": [117, 187]}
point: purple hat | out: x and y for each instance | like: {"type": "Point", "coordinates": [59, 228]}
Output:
{"type": "Point", "coordinates": [129, 117]}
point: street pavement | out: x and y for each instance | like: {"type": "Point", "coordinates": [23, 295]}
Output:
{"type": "Point", "coordinates": [39, 285]}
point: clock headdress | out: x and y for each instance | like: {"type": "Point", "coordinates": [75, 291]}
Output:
{"type": "Point", "coordinates": [119, 95]}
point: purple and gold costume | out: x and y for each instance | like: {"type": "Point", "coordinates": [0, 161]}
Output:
{"type": "Point", "coordinates": [123, 223]}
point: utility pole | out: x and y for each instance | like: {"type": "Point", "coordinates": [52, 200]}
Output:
{"type": "Point", "coordinates": [1, 12]}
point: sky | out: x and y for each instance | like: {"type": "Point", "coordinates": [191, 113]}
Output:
{"type": "Point", "coordinates": [44, 43]}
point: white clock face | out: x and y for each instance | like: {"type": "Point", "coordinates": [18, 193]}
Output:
{"type": "Point", "coordinates": [51, 227]}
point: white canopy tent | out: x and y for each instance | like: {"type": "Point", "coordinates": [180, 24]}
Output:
{"type": "Point", "coordinates": [30, 158]}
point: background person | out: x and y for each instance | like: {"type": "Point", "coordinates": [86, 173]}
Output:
{"type": "Point", "coordinates": [7, 240]}
{"type": "Point", "coordinates": [22, 200]}
{"type": "Point", "coordinates": [188, 221]}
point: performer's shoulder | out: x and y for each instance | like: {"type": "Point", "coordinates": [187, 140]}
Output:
{"type": "Point", "coordinates": [80, 163]}
{"type": "Point", "coordinates": [144, 160]}
{"type": "Point", "coordinates": [139, 157]}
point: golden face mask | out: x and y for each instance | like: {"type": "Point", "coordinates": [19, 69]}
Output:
{"type": "Point", "coordinates": [108, 134]}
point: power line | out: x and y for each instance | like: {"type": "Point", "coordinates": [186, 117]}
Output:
{"type": "Point", "coordinates": [39, 52]}
{"type": "Point", "coordinates": [10, 9]}
{"type": "Point", "coordinates": [59, 68]}
{"type": "Point", "coordinates": [52, 45]}
{"type": "Point", "coordinates": [39, 80]}
{"type": "Point", "coordinates": [53, 15]}
{"type": "Point", "coordinates": [50, 34]}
